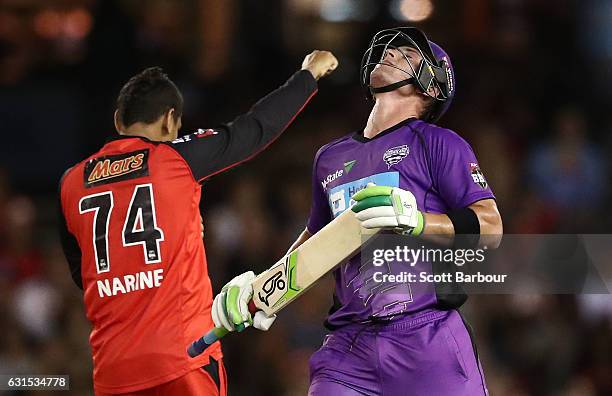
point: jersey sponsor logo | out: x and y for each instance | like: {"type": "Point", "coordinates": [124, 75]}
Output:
{"type": "Point", "coordinates": [339, 197]}
{"type": "Point", "coordinates": [114, 168]}
{"type": "Point", "coordinates": [331, 177]}
{"type": "Point", "coordinates": [337, 202]}
{"type": "Point", "coordinates": [395, 155]}
{"type": "Point", "coordinates": [349, 165]}
{"type": "Point", "coordinates": [477, 175]}
{"type": "Point", "coordinates": [201, 133]}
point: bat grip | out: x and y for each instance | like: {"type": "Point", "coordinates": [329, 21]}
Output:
{"type": "Point", "coordinates": [214, 335]}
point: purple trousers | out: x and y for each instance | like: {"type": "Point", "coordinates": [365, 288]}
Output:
{"type": "Point", "coordinates": [429, 354]}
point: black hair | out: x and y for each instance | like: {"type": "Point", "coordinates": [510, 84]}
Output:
{"type": "Point", "coordinates": [147, 96]}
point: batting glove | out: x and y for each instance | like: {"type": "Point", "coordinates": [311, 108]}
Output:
{"type": "Point", "coordinates": [389, 208]}
{"type": "Point", "coordinates": [230, 308]}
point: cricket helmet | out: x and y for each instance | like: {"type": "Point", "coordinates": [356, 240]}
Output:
{"type": "Point", "coordinates": [435, 69]}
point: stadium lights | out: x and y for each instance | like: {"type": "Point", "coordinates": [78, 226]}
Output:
{"type": "Point", "coordinates": [411, 10]}
{"type": "Point", "coordinates": [347, 10]}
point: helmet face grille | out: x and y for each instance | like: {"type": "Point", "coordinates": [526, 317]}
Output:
{"type": "Point", "coordinates": [434, 71]}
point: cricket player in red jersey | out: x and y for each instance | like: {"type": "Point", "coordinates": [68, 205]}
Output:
{"type": "Point", "coordinates": [131, 231]}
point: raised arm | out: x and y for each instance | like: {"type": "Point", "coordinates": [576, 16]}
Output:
{"type": "Point", "coordinates": [212, 151]}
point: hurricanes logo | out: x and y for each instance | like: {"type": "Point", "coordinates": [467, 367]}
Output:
{"type": "Point", "coordinates": [396, 154]}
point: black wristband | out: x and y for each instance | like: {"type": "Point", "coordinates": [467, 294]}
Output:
{"type": "Point", "coordinates": [467, 227]}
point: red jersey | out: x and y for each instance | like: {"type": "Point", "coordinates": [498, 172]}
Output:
{"type": "Point", "coordinates": [131, 233]}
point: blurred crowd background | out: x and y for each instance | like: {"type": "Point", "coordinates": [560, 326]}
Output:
{"type": "Point", "coordinates": [533, 98]}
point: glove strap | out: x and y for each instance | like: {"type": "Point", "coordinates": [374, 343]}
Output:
{"type": "Point", "coordinates": [418, 230]}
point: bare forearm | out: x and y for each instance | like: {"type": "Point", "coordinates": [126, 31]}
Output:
{"type": "Point", "coordinates": [491, 225]}
{"type": "Point", "coordinates": [439, 227]}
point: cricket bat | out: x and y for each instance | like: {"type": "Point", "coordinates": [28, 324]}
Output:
{"type": "Point", "coordinates": [298, 270]}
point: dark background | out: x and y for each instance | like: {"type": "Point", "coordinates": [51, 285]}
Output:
{"type": "Point", "coordinates": [533, 99]}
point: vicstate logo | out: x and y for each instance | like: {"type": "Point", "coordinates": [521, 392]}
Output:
{"type": "Point", "coordinates": [396, 154]}
{"type": "Point", "coordinates": [331, 177]}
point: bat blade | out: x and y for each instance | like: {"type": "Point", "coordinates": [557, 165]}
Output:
{"type": "Point", "coordinates": [298, 270]}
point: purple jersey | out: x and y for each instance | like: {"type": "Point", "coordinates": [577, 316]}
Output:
{"type": "Point", "coordinates": [435, 164]}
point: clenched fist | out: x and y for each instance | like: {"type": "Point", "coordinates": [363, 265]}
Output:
{"type": "Point", "coordinates": [320, 63]}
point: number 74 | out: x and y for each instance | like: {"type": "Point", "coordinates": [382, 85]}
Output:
{"type": "Point", "coordinates": [140, 226]}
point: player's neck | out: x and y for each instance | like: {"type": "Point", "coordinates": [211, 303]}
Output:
{"type": "Point", "coordinates": [390, 109]}
{"type": "Point", "coordinates": [149, 131]}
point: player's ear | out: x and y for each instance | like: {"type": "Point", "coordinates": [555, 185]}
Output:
{"type": "Point", "coordinates": [118, 125]}
{"type": "Point", "coordinates": [170, 126]}
{"type": "Point", "coordinates": [165, 124]}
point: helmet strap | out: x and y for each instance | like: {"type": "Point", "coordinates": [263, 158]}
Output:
{"type": "Point", "coordinates": [392, 87]}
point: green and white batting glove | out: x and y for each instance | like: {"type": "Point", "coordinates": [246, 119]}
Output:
{"type": "Point", "coordinates": [388, 208]}
{"type": "Point", "coordinates": [230, 308]}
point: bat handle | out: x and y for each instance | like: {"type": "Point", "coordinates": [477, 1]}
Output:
{"type": "Point", "coordinates": [214, 335]}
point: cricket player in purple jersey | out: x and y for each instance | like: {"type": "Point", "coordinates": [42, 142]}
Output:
{"type": "Point", "coordinates": [404, 174]}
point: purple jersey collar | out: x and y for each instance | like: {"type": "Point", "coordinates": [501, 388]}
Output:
{"type": "Point", "coordinates": [358, 136]}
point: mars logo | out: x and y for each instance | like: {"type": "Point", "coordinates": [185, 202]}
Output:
{"type": "Point", "coordinates": [113, 168]}
{"type": "Point", "coordinates": [396, 154]}
{"type": "Point", "coordinates": [477, 175]}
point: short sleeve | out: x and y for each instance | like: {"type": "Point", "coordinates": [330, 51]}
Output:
{"type": "Point", "coordinates": [320, 214]}
{"type": "Point", "coordinates": [457, 175]}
